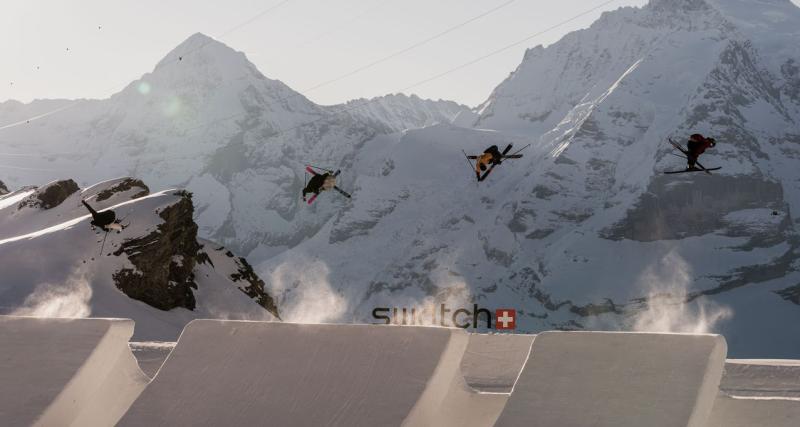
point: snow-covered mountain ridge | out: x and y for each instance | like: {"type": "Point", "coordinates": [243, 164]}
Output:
{"type": "Point", "coordinates": [207, 120]}
{"type": "Point", "coordinates": [585, 231]}
{"type": "Point", "coordinates": [155, 271]}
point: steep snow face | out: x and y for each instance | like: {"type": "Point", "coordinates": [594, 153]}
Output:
{"type": "Point", "coordinates": [582, 66]}
{"type": "Point", "coordinates": [52, 264]}
{"type": "Point", "coordinates": [585, 231]}
{"type": "Point", "coordinates": [206, 119]}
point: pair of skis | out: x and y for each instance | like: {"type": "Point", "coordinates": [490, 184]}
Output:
{"type": "Point", "coordinates": [700, 168]}
{"type": "Point", "coordinates": [504, 155]}
{"type": "Point", "coordinates": [335, 174]}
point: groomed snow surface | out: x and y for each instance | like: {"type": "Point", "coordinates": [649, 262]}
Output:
{"type": "Point", "coordinates": [57, 372]}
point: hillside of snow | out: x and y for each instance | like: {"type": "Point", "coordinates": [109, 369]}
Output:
{"type": "Point", "coordinates": [585, 232]}
{"type": "Point", "coordinates": [155, 271]}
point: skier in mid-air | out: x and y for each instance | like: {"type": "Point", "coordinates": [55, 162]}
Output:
{"type": "Point", "coordinates": [321, 182]}
{"type": "Point", "coordinates": [490, 157]}
{"type": "Point", "coordinates": [696, 146]}
{"type": "Point", "coordinates": [105, 220]}
{"type": "Point", "coordinates": [317, 184]}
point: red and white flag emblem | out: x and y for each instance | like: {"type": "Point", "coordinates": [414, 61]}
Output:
{"type": "Point", "coordinates": [505, 318]}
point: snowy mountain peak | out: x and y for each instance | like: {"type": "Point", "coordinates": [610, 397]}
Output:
{"type": "Point", "coordinates": [201, 47]}
{"type": "Point", "coordinates": [683, 5]}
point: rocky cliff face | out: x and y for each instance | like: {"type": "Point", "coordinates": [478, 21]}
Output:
{"type": "Point", "coordinates": [164, 260]}
{"type": "Point", "coordinates": [239, 271]}
{"type": "Point", "coordinates": [165, 263]}
{"type": "Point", "coordinates": [122, 186]}
{"type": "Point", "coordinates": [50, 195]}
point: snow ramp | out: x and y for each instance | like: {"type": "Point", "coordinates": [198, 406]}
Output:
{"type": "Point", "coordinates": [617, 379]}
{"type": "Point", "coordinates": [66, 372]}
{"type": "Point", "coordinates": [755, 392]}
{"type": "Point", "coordinates": [263, 373]}
{"type": "Point", "coordinates": [752, 411]}
{"type": "Point", "coordinates": [492, 362]}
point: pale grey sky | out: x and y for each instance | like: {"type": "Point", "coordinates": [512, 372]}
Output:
{"type": "Point", "coordinates": [300, 42]}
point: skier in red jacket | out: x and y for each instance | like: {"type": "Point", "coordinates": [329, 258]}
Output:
{"type": "Point", "coordinates": [696, 146]}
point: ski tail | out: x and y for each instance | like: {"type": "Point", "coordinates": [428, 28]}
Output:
{"type": "Point", "coordinates": [708, 171]}
{"type": "Point", "coordinates": [342, 192]}
{"type": "Point", "coordinates": [312, 198]}
{"type": "Point", "coordinates": [91, 210]}
{"type": "Point", "coordinates": [508, 148]}
{"type": "Point", "coordinates": [485, 174]}
{"type": "Point", "coordinates": [517, 152]}
{"type": "Point", "coordinates": [311, 171]}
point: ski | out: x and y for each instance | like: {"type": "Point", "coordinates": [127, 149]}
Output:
{"type": "Point", "coordinates": [694, 170]}
{"type": "Point", "coordinates": [686, 152]}
{"type": "Point", "coordinates": [342, 192]}
{"type": "Point", "coordinates": [488, 171]}
{"type": "Point", "coordinates": [516, 155]}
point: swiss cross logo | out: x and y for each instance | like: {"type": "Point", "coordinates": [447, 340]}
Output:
{"type": "Point", "coordinates": [505, 318]}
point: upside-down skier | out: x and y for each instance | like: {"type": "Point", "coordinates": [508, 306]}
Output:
{"type": "Point", "coordinates": [318, 183]}
{"type": "Point", "coordinates": [490, 158]}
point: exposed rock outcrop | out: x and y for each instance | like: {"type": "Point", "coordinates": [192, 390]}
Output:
{"type": "Point", "coordinates": [125, 185]}
{"type": "Point", "coordinates": [673, 210]}
{"type": "Point", "coordinates": [51, 195]}
{"type": "Point", "coordinates": [164, 260]}
{"type": "Point", "coordinates": [251, 284]}
{"type": "Point", "coordinates": [3, 188]}
{"type": "Point", "coordinates": [791, 294]}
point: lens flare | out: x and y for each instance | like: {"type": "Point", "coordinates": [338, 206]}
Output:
{"type": "Point", "coordinates": [172, 107]}
{"type": "Point", "coordinates": [143, 88]}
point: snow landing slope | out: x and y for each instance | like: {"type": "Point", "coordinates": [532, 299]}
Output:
{"type": "Point", "coordinates": [585, 231]}
{"type": "Point", "coordinates": [207, 120]}
{"type": "Point", "coordinates": [155, 271]}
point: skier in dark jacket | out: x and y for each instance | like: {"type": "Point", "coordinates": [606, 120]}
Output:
{"type": "Point", "coordinates": [319, 182]}
{"type": "Point", "coordinates": [106, 219]}
{"type": "Point", "coordinates": [491, 156]}
{"type": "Point", "coordinates": [696, 146]}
